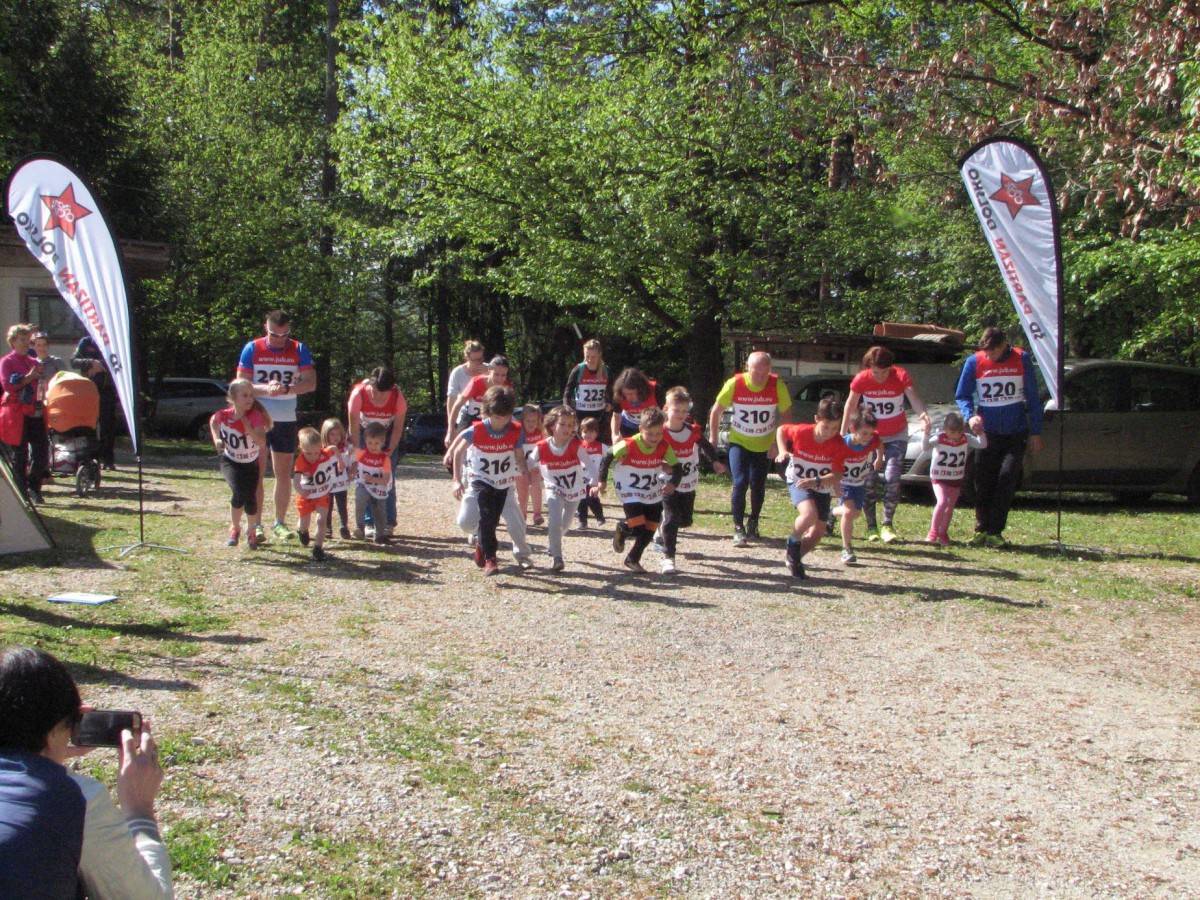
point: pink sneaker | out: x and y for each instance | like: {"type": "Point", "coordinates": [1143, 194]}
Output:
{"type": "Point", "coordinates": [931, 538]}
{"type": "Point", "coordinates": [944, 540]}
{"type": "Point", "coordinates": [233, 537]}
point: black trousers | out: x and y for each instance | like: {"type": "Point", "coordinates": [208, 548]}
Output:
{"type": "Point", "coordinates": [338, 499]}
{"type": "Point", "coordinates": [997, 474]}
{"type": "Point", "coordinates": [491, 504]}
{"type": "Point", "coordinates": [677, 513]}
{"type": "Point", "coordinates": [109, 407]}
{"type": "Point", "coordinates": [242, 479]}
{"type": "Point", "coordinates": [593, 504]}
{"type": "Point", "coordinates": [39, 450]}
{"type": "Point", "coordinates": [647, 516]}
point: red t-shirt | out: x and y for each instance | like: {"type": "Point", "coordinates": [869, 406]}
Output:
{"type": "Point", "coordinates": [812, 458]}
{"type": "Point", "coordinates": [885, 399]}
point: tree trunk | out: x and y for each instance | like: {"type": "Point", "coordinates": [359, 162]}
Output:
{"type": "Point", "coordinates": [704, 358]}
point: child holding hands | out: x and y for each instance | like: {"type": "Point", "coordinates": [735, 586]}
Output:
{"type": "Point", "coordinates": [947, 469]}
{"type": "Point", "coordinates": [239, 434]}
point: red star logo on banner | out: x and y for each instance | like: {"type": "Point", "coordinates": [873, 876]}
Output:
{"type": "Point", "coordinates": [64, 211]}
{"type": "Point", "coordinates": [1016, 195]}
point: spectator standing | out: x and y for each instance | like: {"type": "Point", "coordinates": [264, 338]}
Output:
{"type": "Point", "coordinates": [89, 361]}
{"type": "Point", "coordinates": [280, 369]}
{"type": "Point", "coordinates": [998, 392]}
{"type": "Point", "coordinates": [588, 391]}
{"type": "Point", "coordinates": [20, 426]}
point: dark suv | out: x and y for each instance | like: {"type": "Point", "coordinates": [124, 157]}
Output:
{"type": "Point", "coordinates": [424, 433]}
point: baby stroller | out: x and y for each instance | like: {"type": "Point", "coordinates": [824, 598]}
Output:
{"type": "Point", "coordinates": [72, 409]}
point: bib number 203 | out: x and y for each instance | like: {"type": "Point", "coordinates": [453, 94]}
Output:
{"type": "Point", "coordinates": [265, 376]}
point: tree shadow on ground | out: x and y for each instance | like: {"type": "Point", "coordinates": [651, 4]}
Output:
{"type": "Point", "coordinates": [74, 546]}
{"type": "Point", "coordinates": [164, 630]}
{"type": "Point", "coordinates": [131, 510]}
{"type": "Point", "coordinates": [1071, 553]}
{"type": "Point", "coordinates": [387, 567]}
{"type": "Point", "coordinates": [936, 595]}
{"type": "Point", "coordinates": [84, 673]}
{"type": "Point", "coordinates": [955, 569]}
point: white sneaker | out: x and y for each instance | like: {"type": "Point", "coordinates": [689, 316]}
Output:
{"type": "Point", "coordinates": [657, 544]}
{"type": "Point", "coordinates": [472, 539]}
{"type": "Point", "coordinates": [668, 566]}
{"type": "Point", "coordinates": [838, 510]}
{"type": "Point", "coordinates": [848, 557]}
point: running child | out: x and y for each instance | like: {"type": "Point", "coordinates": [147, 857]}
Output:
{"type": "Point", "coordinates": [685, 438]}
{"type": "Point", "coordinates": [529, 485]}
{"type": "Point", "coordinates": [632, 393]}
{"type": "Point", "coordinates": [816, 453]}
{"type": "Point", "coordinates": [947, 469]}
{"type": "Point", "coordinates": [239, 434]}
{"type": "Point", "coordinates": [333, 434]}
{"type": "Point", "coordinates": [562, 459]}
{"type": "Point", "coordinates": [863, 450]}
{"type": "Point", "coordinates": [315, 471]}
{"type": "Point", "coordinates": [589, 434]}
{"type": "Point", "coordinates": [372, 482]}
{"type": "Point", "coordinates": [639, 461]}
{"type": "Point", "coordinates": [494, 452]}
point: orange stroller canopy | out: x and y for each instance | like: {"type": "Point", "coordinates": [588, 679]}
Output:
{"type": "Point", "coordinates": [72, 401]}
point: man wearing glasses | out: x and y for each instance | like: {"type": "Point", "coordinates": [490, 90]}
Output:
{"type": "Point", "coordinates": [280, 369]}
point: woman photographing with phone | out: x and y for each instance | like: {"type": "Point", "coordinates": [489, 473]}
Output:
{"type": "Point", "coordinates": [54, 822]}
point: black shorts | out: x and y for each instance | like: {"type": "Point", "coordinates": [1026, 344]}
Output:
{"type": "Point", "coordinates": [282, 437]}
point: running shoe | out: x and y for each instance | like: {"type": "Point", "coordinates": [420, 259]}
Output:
{"type": "Point", "coordinates": [848, 557]}
{"type": "Point", "coordinates": [557, 564]}
{"type": "Point", "coordinates": [344, 534]}
{"type": "Point", "coordinates": [978, 539]}
{"type": "Point", "coordinates": [872, 533]}
{"type": "Point", "coordinates": [252, 539]}
{"type": "Point", "coordinates": [282, 532]}
{"type": "Point", "coordinates": [886, 534]}
{"type": "Point", "coordinates": [657, 543]}
{"type": "Point", "coordinates": [360, 534]}
{"type": "Point", "coordinates": [619, 538]}
{"type": "Point", "coordinates": [524, 562]}
{"type": "Point", "coordinates": [600, 520]}
{"type": "Point", "coordinates": [538, 521]}
{"type": "Point", "coordinates": [304, 538]}
{"type": "Point", "coordinates": [995, 541]}
{"type": "Point", "coordinates": [260, 534]}
{"type": "Point", "coordinates": [490, 568]}
{"type": "Point", "coordinates": [633, 565]}
{"type": "Point", "coordinates": [931, 538]}
{"type": "Point", "coordinates": [233, 537]}
{"type": "Point", "coordinates": [739, 536]}
{"type": "Point", "coordinates": [479, 556]}
{"type": "Point", "coordinates": [318, 553]}
{"type": "Point", "coordinates": [795, 566]}
{"type": "Point", "coordinates": [580, 525]}
{"type": "Point", "coordinates": [943, 540]}
{"type": "Point", "coordinates": [668, 566]}
{"type": "Point", "coordinates": [473, 539]}
{"type": "Point", "coordinates": [752, 529]}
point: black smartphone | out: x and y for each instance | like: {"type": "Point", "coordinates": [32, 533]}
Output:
{"type": "Point", "coordinates": [103, 727]}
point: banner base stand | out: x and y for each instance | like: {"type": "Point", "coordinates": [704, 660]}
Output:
{"type": "Point", "coordinates": [140, 543]}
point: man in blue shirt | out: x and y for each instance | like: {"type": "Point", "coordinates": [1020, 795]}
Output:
{"type": "Point", "coordinates": [998, 394]}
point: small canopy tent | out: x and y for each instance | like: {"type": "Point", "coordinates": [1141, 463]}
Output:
{"type": "Point", "coordinates": [21, 529]}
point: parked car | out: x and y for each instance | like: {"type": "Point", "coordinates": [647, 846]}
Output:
{"type": "Point", "coordinates": [423, 433]}
{"type": "Point", "coordinates": [1128, 428]}
{"type": "Point", "coordinates": [183, 406]}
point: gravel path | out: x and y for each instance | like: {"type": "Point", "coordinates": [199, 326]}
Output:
{"type": "Point", "coordinates": [390, 722]}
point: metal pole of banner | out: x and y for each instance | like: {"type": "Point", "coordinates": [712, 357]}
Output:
{"type": "Point", "coordinates": [141, 543]}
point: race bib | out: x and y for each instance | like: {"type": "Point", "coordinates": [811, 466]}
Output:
{"type": "Point", "coordinates": [239, 446]}
{"type": "Point", "coordinates": [948, 463]}
{"type": "Point", "coordinates": [265, 373]}
{"type": "Point", "coordinates": [319, 482]}
{"type": "Point", "coordinates": [498, 470]}
{"type": "Point", "coordinates": [855, 473]}
{"type": "Point", "coordinates": [341, 479]}
{"type": "Point", "coordinates": [568, 484]}
{"type": "Point", "coordinates": [637, 485]}
{"type": "Point", "coordinates": [589, 397]}
{"type": "Point", "coordinates": [804, 469]}
{"type": "Point", "coordinates": [885, 407]}
{"type": "Point", "coordinates": [691, 470]}
{"type": "Point", "coordinates": [753, 420]}
{"type": "Point", "coordinates": [1001, 390]}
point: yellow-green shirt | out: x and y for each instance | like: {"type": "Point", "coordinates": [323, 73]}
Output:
{"type": "Point", "coordinates": [783, 402]}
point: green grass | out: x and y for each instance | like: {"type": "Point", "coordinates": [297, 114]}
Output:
{"type": "Point", "coordinates": [195, 846]}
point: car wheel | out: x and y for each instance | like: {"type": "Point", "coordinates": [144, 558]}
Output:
{"type": "Point", "coordinates": [199, 429]}
{"type": "Point", "coordinates": [1193, 489]}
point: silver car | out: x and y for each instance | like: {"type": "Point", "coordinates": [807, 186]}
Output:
{"type": "Point", "coordinates": [184, 405]}
{"type": "Point", "coordinates": [1128, 428]}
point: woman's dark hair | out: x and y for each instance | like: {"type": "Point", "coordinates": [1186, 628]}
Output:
{"type": "Point", "coordinates": [36, 693]}
{"type": "Point", "coordinates": [830, 407]}
{"type": "Point", "coordinates": [878, 358]}
{"type": "Point", "coordinates": [993, 337]}
{"type": "Point", "coordinates": [634, 380]}
{"type": "Point", "coordinates": [383, 378]}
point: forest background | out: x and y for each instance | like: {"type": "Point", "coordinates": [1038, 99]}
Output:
{"type": "Point", "coordinates": [402, 176]}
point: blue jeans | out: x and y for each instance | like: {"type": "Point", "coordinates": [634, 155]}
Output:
{"type": "Point", "coordinates": [749, 471]}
